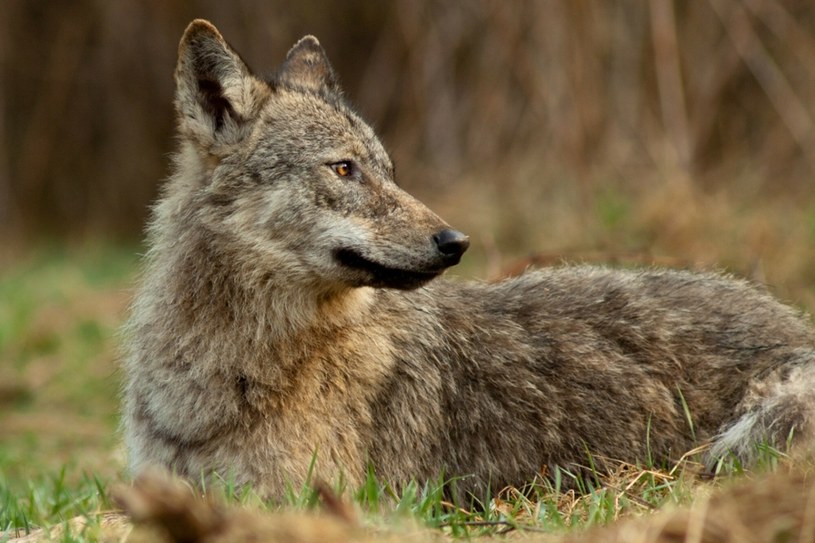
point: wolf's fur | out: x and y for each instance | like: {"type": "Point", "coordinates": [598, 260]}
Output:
{"type": "Point", "coordinates": [265, 330]}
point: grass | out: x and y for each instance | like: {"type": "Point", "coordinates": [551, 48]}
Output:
{"type": "Point", "coordinates": [49, 499]}
{"type": "Point", "coordinates": [61, 307]}
{"type": "Point", "coordinates": [60, 311]}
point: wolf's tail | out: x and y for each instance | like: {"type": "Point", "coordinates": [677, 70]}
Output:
{"type": "Point", "coordinates": [778, 410]}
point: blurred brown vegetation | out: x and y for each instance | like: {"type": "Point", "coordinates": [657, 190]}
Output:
{"type": "Point", "coordinates": [463, 93]}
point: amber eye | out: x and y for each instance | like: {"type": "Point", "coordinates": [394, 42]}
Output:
{"type": "Point", "coordinates": [343, 169]}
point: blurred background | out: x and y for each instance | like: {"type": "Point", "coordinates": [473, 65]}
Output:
{"type": "Point", "coordinates": [678, 133]}
{"type": "Point", "coordinates": [543, 125]}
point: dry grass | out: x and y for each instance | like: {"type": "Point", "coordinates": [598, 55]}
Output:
{"type": "Point", "coordinates": [773, 507]}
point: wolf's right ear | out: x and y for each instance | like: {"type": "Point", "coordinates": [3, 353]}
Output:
{"type": "Point", "coordinates": [216, 93]}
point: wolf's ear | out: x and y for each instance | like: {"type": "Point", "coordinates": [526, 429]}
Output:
{"type": "Point", "coordinates": [307, 66]}
{"type": "Point", "coordinates": [216, 93]}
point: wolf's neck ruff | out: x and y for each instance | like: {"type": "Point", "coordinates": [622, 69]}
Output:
{"type": "Point", "coordinates": [212, 292]}
{"type": "Point", "coordinates": [262, 332]}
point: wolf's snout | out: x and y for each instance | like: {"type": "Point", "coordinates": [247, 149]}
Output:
{"type": "Point", "coordinates": [451, 243]}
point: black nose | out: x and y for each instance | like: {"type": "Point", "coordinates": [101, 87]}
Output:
{"type": "Point", "coordinates": [451, 243]}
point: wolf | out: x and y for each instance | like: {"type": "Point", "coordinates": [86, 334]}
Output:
{"type": "Point", "coordinates": [291, 322]}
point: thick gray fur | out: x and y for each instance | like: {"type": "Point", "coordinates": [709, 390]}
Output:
{"type": "Point", "coordinates": [287, 309]}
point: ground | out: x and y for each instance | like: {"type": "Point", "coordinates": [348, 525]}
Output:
{"type": "Point", "coordinates": [62, 304]}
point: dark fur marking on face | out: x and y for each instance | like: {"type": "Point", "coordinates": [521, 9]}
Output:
{"type": "Point", "coordinates": [324, 199]}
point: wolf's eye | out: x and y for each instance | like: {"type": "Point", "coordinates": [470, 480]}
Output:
{"type": "Point", "coordinates": [343, 169]}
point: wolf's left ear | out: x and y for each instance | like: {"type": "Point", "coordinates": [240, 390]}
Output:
{"type": "Point", "coordinates": [216, 93]}
{"type": "Point", "coordinates": [307, 66]}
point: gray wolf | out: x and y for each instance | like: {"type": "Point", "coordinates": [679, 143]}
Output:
{"type": "Point", "coordinates": [290, 311]}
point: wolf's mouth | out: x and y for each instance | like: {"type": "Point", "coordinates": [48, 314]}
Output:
{"type": "Point", "coordinates": [385, 276]}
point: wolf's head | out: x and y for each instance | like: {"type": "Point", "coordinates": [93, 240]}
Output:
{"type": "Point", "coordinates": [284, 171]}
